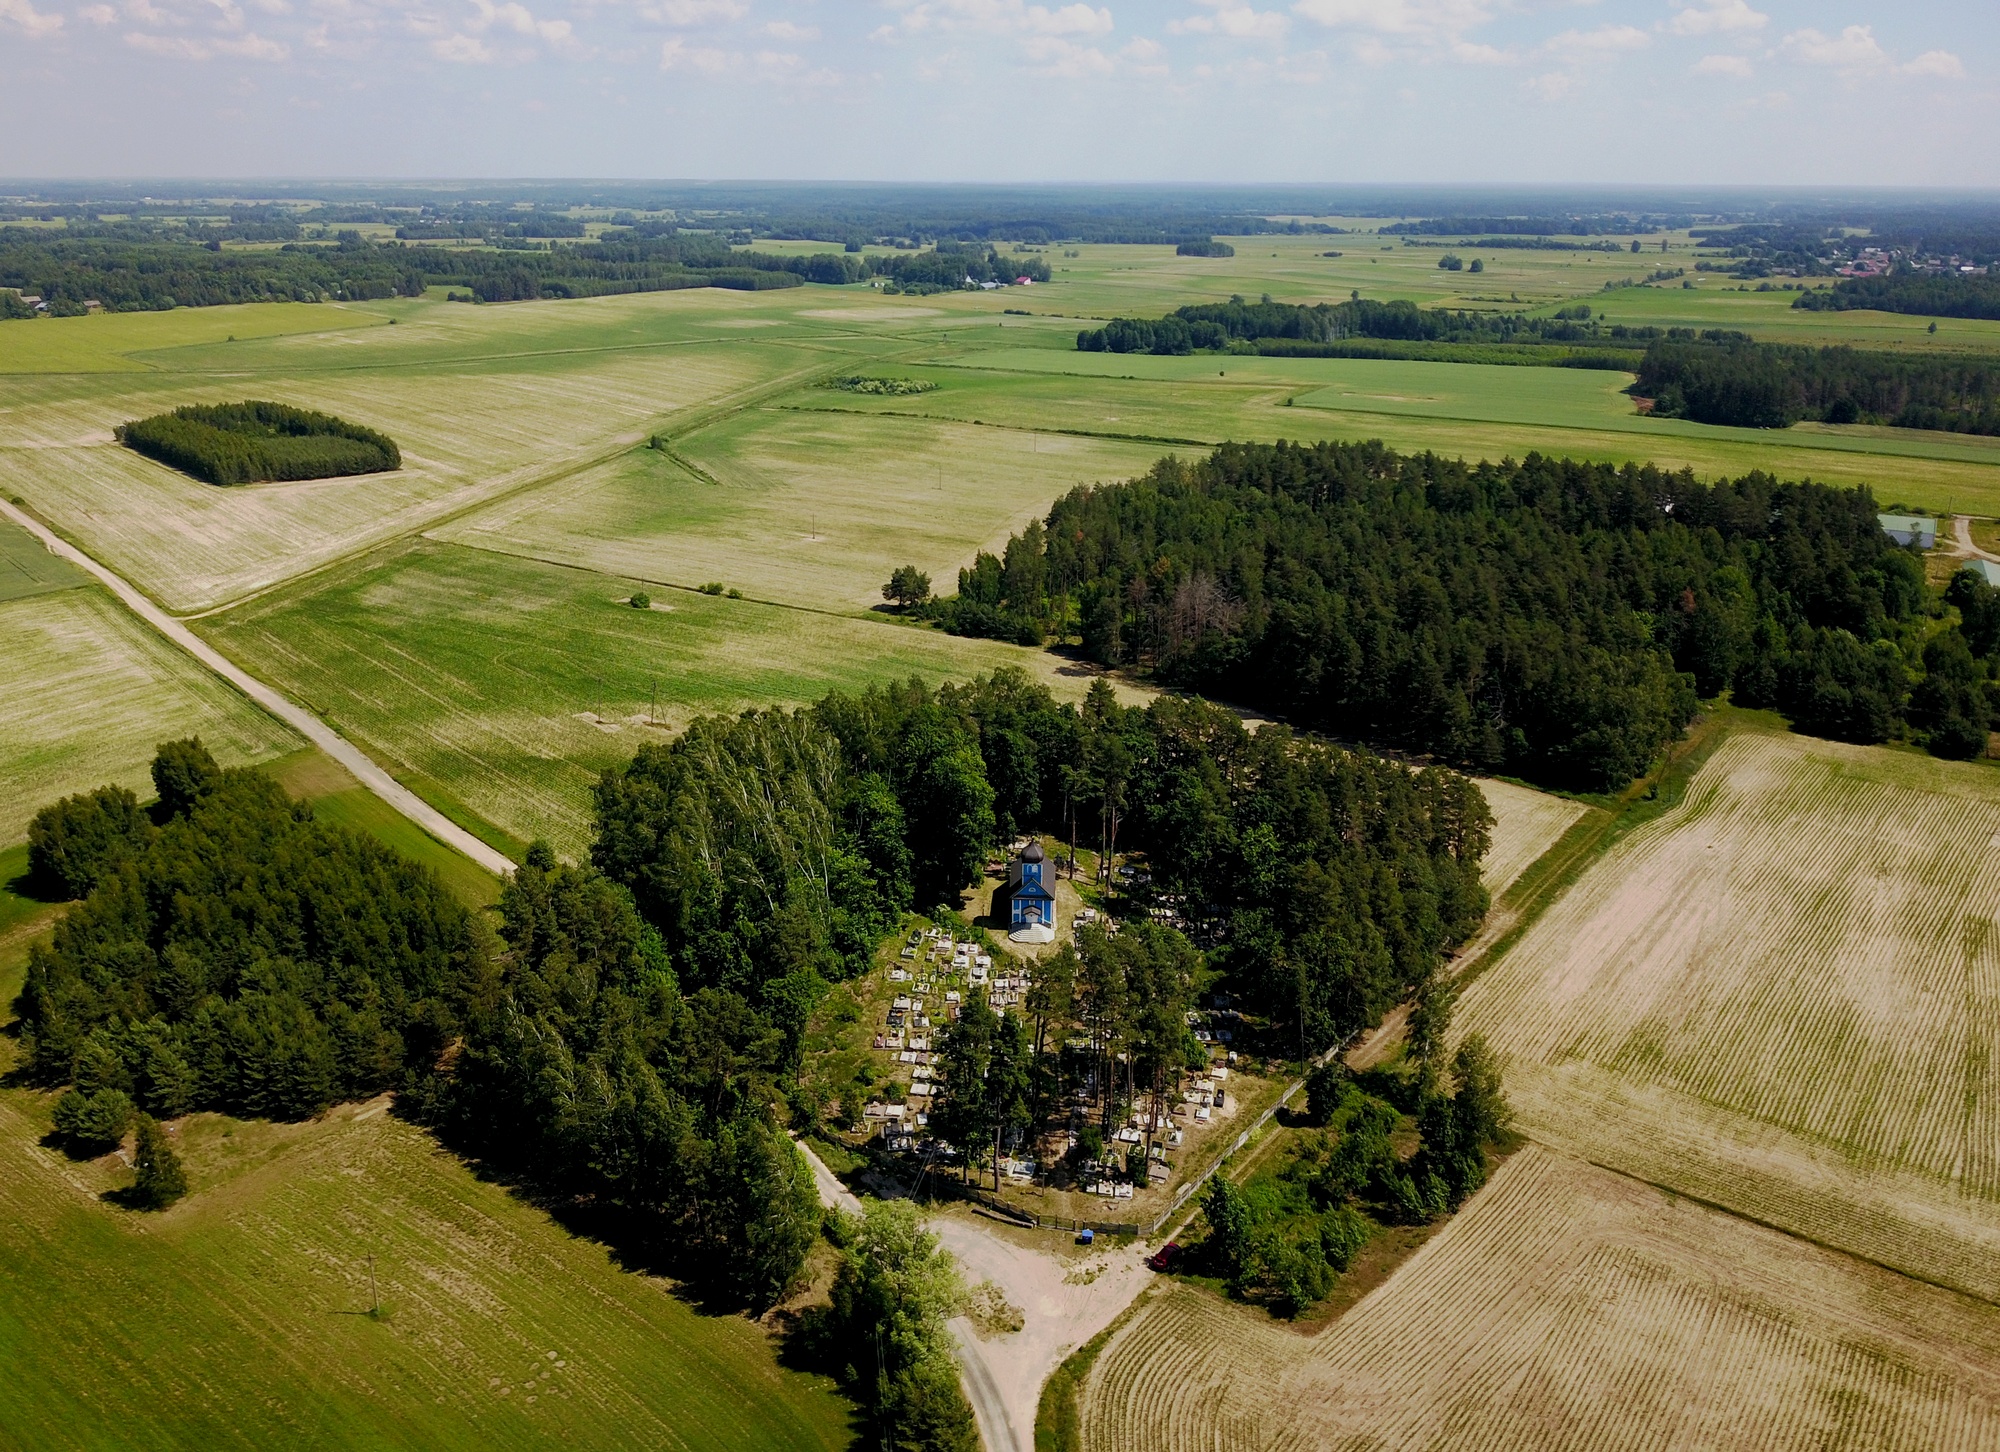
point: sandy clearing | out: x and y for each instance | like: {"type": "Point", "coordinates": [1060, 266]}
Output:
{"type": "Point", "coordinates": [1065, 1299]}
{"type": "Point", "coordinates": [1066, 1294]}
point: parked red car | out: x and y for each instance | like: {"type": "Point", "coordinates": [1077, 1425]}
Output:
{"type": "Point", "coordinates": [1163, 1259]}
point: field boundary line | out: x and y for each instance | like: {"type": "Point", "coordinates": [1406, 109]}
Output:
{"type": "Point", "coordinates": [1720, 1208]}
{"type": "Point", "coordinates": [308, 725]}
{"type": "Point", "coordinates": [982, 423]}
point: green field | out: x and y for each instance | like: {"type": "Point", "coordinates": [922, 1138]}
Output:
{"type": "Point", "coordinates": [239, 1319]}
{"type": "Point", "coordinates": [465, 620]}
{"type": "Point", "coordinates": [509, 683]}
{"type": "Point", "coordinates": [26, 568]}
{"type": "Point", "coordinates": [87, 691]}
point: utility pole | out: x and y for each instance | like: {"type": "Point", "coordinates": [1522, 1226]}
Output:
{"type": "Point", "coordinates": [374, 1295]}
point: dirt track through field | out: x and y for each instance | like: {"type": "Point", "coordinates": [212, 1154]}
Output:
{"type": "Point", "coordinates": [297, 717]}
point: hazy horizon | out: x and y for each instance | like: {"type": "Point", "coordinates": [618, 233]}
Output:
{"type": "Point", "coordinates": [1653, 93]}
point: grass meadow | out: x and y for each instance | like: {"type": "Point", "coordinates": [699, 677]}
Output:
{"type": "Point", "coordinates": [86, 693]}
{"type": "Point", "coordinates": [1783, 997]}
{"type": "Point", "coordinates": [1568, 1307]}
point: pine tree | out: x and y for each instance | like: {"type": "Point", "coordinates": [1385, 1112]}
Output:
{"type": "Point", "coordinates": [161, 1179]}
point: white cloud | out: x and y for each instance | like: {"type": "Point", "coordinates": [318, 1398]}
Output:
{"type": "Point", "coordinates": [785, 30]}
{"type": "Point", "coordinates": [1554, 85]}
{"type": "Point", "coordinates": [1855, 51]}
{"type": "Point", "coordinates": [1936, 63]}
{"type": "Point", "coordinates": [1725, 65]}
{"type": "Point", "coordinates": [1145, 57]}
{"type": "Point", "coordinates": [1591, 45]}
{"type": "Point", "coordinates": [695, 12]}
{"type": "Point", "coordinates": [24, 16]}
{"type": "Point", "coordinates": [254, 47]}
{"type": "Point", "coordinates": [1053, 55]}
{"type": "Point", "coordinates": [1005, 17]}
{"type": "Point", "coordinates": [465, 50]}
{"type": "Point", "coordinates": [99, 14]}
{"type": "Point", "coordinates": [1483, 55]}
{"type": "Point", "coordinates": [182, 47]}
{"type": "Point", "coordinates": [677, 55]}
{"type": "Point", "coordinates": [1426, 21]}
{"type": "Point", "coordinates": [1233, 18]}
{"type": "Point", "coordinates": [1717, 17]}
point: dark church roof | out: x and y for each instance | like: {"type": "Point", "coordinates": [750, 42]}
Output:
{"type": "Point", "coordinates": [1033, 854]}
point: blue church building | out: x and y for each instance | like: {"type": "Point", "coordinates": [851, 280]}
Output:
{"type": "Point", "coordinates": [1031, 902]}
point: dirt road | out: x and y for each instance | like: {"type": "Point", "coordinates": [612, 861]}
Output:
{"type": "Point", "coordinates": [295, 716]}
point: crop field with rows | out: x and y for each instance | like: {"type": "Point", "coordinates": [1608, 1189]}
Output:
{"type": "Point", "coordinates": [1783, 997]}
{"type": "Point", "coordinates": [1568, 1308]}
{"type": "Point", "coordinates": [1526, 823]}
{"type": "Point", "coordinates": [87, 691]}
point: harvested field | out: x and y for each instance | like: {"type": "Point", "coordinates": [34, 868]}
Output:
{"type": "Point", "coordinates": [1526, 823]}
{"type": "Point", "coordinates": [87, 691]}
{"type": "Point", "coordinates": [809, 508]}
{"type": "Point", "coordinates": [1568, 1307]}
{"type": "Point", "coordinates": [1783, 997]}
{"type": "Point", "coordinates": [467, 431]}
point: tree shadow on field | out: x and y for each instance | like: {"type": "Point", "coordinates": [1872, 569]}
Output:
{"type": "Point", "coordinates": [634, 1241]}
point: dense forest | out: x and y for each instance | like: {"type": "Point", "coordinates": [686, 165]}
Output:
{"type": "Point", "coordinates": [240, 443]}
{"type": "Point", "coordinates": [1773, 386]}
{"type": "Point", "coordinates": [1550, 618]}
{"type": "Point", "coordinates": [231, 953]}
{"type": "Point", "coordinates": [1926, 294]}
{"type": "Point", "coordinates": [1327, 329]}
{"type": "Point", "coordinates": [772, 851]}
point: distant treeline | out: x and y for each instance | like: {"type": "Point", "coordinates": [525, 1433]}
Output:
{"type": "Point", "coordinates": [242, 443]}
{"type": "Point", "coordinates": [1772, 386]}
{"type": "Point", "coordinates": [1927, 295]}
{"type": "Point", "coordinates": [1584, 225]}
{"type": "Point", "coordinates": [155, 275]}
{"type": "Point", "coordinates": [1548, 618]}
{"type": "Point", "coordinates": [1303, 328]}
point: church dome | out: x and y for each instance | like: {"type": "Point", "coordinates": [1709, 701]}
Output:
{"type": "Point", "coordinates": [1034, 853]}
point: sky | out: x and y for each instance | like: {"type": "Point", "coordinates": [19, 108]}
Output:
{"type": "Point", "coordinates": [1755, 92]}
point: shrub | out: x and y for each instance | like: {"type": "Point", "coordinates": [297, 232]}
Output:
{"type": "Point", "coordinates": [161, 1179]}
{"type": "Point", "coordinates": [93, 1122]}
{"type": "Point", "coordinates": [241, 443]}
